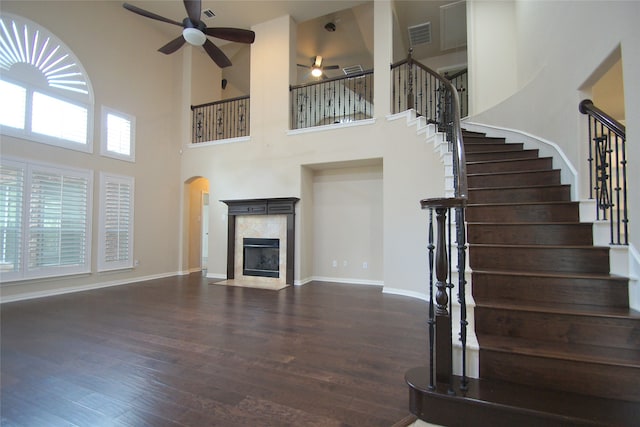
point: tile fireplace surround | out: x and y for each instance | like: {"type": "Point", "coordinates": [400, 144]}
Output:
{"type": "Point", "coordinates": [261, 218]}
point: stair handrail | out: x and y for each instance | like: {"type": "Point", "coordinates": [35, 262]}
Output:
{"type": "Point", "coordinates": [608, 170]}
{"type": "Point", "coordinates": [450, 122]}
{"type": "Point", "coordinates": [447, 120]}
{"type": "Point", "coordinates": [586, 107]}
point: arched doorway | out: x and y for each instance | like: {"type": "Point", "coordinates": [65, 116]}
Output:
{"type": "Point", "coordinates": [196, 214]}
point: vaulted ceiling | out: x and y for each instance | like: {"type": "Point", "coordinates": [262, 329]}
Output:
{"type": "Point", "coordinates": [350, 44]}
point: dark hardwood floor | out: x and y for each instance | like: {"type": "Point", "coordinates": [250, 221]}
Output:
{"type": "Point", "coordinates": [183, 352]}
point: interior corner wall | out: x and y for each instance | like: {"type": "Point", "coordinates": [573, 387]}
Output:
{"type": "Point", "coordinates": [382, 57]}
{"type": "Point", "coordinates": [270, 90]}
{"type": "Point", "coordinates": [347, 219]}
{"type": "Point", "coordinates": [206, 77]}
{"type": "Point", "coordinates": [491, 41]}
{"type": "Point", "coordinates": [304, 226]}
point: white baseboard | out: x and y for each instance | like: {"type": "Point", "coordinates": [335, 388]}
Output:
{"type": "Point", "coordinates": [406, 293]}
{"type": "Point", "coordinates": [347, 280]}
{"type": "Point", "coordinates": [82, 288]}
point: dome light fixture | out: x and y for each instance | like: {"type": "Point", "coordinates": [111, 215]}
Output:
{"type": "Point", "coordinates": [316, 71]}
{"type": "Point", "coordinates": [194, 36]}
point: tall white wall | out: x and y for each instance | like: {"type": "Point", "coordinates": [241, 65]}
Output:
{"type": "Point", "coordinates": [129, 75]}
{"type": "Point", "coordinates": [491, 45]}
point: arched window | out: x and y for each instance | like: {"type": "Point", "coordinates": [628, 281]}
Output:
{"type": "Point", "coordinates": [45, 93]}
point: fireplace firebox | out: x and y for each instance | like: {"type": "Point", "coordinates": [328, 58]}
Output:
{"type": "Point", "coordinates": [261, 257]}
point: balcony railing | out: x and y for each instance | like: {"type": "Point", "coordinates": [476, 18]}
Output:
{"type": "Point", "coordinates": [338, 100]}
{"type": "Point", "coordinates": [224, 119]}
{"type": "Point", "coordinates": [414, 86]}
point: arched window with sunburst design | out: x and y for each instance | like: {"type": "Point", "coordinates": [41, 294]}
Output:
{"type": "Point", "coordinates": [45, 93]}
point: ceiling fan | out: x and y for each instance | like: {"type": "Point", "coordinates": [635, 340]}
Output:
{"type": "Point", "coordinates": [317, 68]}
{"type": "Point", "coordinates": [195, 32]}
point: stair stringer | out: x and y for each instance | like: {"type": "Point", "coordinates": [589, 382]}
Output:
{"type": "Point", "coordinates": [429, 132]}
{"type": "Point", "coordinates": [568, 173]}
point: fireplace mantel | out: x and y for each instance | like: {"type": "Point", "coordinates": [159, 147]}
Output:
{"type": "Point", "coordinates": [273, 206]}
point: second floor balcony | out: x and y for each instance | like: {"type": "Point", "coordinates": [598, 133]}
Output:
{"type": "Point", "coordinates": [338, 100]}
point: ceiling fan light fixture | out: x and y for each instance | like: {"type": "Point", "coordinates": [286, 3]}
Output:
{"type": "Point", "coordinates": [316, 71]}
{"type": "Point", "coordinates": [194, 36]}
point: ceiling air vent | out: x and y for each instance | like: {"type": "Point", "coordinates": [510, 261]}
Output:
{"type": "Point", "coordinates": [420, 34]}
{"type": "Point", "coordinates": [352, 69]}
{"type": "Point", "coordinates": [208, 13]}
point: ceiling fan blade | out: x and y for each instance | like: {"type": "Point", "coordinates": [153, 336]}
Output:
{"type": "Point", "coordinates": [216, 54]}
{"type": "Point", "coordinates": [147, 14]}
{"type": "Point", "coordinates": [232, 34]}
{"type": "Point", "coordinates": [193, 7]}
{"type": "Point", "coordinates": [172, 46]}
{"type": "Point", "coordinates": [331, 67]}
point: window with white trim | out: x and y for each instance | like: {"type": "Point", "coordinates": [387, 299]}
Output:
{"type": "Point", "coordinates": [45, 94]}
{"type": "Point", "coordinates": [116, 222]}
{"type": "Point", "coordinates": [118, 135]}
{"type": "Point", "coordinates": [45, 220]}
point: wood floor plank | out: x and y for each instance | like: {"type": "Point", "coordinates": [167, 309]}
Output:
{"type": "Point", "coordinates": [181, 351]}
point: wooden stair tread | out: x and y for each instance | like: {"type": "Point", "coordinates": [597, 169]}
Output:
{"type": "Point", "coordinates": [518, 187]}
{"type": "Point", "coordinates": [514, 173]}
{"type": "Point", "coordinates": [528, 245]}
{"type": "Point", "coordinates": [561, 275]}
{"type": "Point", "coordinates": [559, 203]}
{"type": "Point", "coordinates": [560, 308]}
{"type": "Point", "coordinates": [502, 403]}
{"type": "Point", "coordinates": [559, 350]}
{"type": "Point", "coordinates": [484, 162]}
{"type": "Point", "coordinates": [481, 139]}
{"type": "Point", "coordinates": [570, 223]}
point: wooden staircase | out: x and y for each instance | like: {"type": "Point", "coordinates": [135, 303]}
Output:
{"type": "Point", "coordinates": [558, 342]}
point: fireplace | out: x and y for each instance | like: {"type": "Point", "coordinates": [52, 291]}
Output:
{"type": "Point", "coordinates": [261, 257]}
{"type": "Point", "coordinates": [265, 220]}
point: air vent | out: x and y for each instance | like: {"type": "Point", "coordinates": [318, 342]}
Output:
{"type": "Point", "coordinates": [420, 34]}
{"type": "Point", "coordinates": [208, 14]}
{"type": "Point", "coordinates": [352, 69]}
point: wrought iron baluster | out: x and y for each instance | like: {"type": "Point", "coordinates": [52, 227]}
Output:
{"type": "Point", "coordinates": [432, 320]}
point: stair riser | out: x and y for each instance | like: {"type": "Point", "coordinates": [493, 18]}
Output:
{"type": "Point", "coordinates": [555, 193]}
{"type": "Point", "coordinates": [496, 156]}
{"type": "Point", "coordinates": [564, 212]}
{"type": "Point", "coordinates": [551, 177]}
{"type": "Point", "coordinates": [618, 332]}
{"type": "Point", "coordinates": [531, 258]}
{"type": "Point", "coordinates": [490, 147]}
{"type": "Point", "coordinates": [472, 139]}
{"type": "Point", "coordinates": [615, 382]}
{"type": "Point", "coordinates": [510, 166]}
{"type": "Point", "coordinates": [570, 290]}
{"type": "Point", "coordinates": [530, 234]}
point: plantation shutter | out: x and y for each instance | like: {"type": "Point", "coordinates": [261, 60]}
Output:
{"type": "Point", "coordinates": [12, 175]}
{"type": "Point", "coordinates": [118, 134]}
{"type": "Point", "coordinates": [58, 221]}
{"type": "Point", "coordinates": [116, 222]}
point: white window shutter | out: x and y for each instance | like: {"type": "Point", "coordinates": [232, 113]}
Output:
{"type": "Point", "coordinates": [12, 177]}
{"type": "Point", "coordinates": [59, 222]}
{"type": "Point", "coordinates": [116, 222]}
